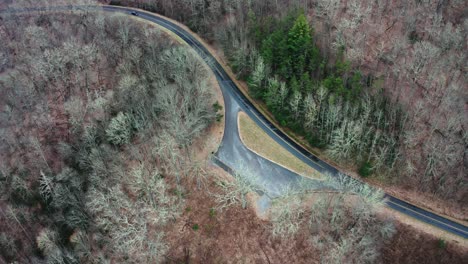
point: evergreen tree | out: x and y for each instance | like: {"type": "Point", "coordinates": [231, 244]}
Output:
{"type": "Point", "coordinates": [334, 85]}
{"type": "Point", "coordinates": [294, 84]}
{"type": "Point", "coordinates": [306, 82]}
{"type": "Point", "coordinates": [299, 42]}
{"type": "Point", "coordinates": [355, 85]}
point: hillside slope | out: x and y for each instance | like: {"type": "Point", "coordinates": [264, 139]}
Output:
{"type": "Point", "coordinates": [414, 51]}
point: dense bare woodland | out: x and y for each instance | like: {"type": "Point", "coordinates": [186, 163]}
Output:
{"type": "Point", "coordinates": [77, 89]}
{"type": "Point", "coordinates": [411, 51]}
{"type": "Point", "coordinates": [104, 120]}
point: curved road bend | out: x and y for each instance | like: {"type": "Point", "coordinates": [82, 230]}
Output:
{"type": "Point", "coordinates": [236, 156]}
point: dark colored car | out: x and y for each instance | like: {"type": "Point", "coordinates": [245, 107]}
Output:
{"type": "Point", "coordinates": [134, 13]}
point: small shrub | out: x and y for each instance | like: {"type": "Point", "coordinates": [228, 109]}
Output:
{"type": "Point", "coordinates": [209, 228]}
{"type": "Point", "coordinates": [212, 213]}
{"type": "Point", "coordinates": [195, 227]}
{"type": "Point", "coordinates": [441, 243]}
{"type": "Point", "coordinates": [366, 169]}
{"type": "Point", "coordinates": [188, 209]}
{"type": "Point", "coordinates": [179, 193]}
{"type": "Point", "coordinates": [413, 37]}
{"type": "Point", "coordinates": [217, 107]}
{"type": "Point", "coordinates": [219, 117]}
{"type": "Point", "coordinates": [315, 141]}
{"type": "Point", "coordinates": [370, 80]}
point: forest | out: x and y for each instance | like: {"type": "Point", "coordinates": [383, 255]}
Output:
{"type": "Point", "coordinates": [108, 124]}
{"type": "Point", "coordinates": [96, 135]}
{"type": "Point", "coordinates": [330, 108]}
{"type": "Point", "coordinates": [98, 155]}
{"type": "Point", "coordinates": [375, 86]}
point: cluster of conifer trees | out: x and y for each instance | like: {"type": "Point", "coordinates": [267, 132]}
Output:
{"type": "Point", "coordinates": [333, 105]}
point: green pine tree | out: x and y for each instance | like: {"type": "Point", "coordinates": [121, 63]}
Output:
{"type": "Point", "coordinates": [294, 84]}
{"type": "Point", "coordinates": [299, 43]}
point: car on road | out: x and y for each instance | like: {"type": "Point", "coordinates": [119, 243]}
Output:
{"type": "Point", "coordinates": [134, 13]}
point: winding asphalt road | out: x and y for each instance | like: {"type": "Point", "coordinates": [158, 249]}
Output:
{"type": "Point", "coordinates": [233, 155]}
